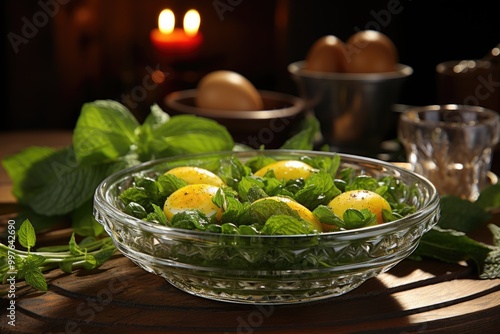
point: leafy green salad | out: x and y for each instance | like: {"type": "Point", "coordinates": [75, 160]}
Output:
{"type": "Point", "coordinates": [266, 196]}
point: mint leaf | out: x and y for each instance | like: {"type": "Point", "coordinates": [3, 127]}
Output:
{"type": "Point", "coordinates": [491, 269]}
{"type": "Point", "coordinates": [496, 234]}
{"type": "Point", "coordinates": [156, 118]}
{"type": "Point", "coordinates": [52, 183]}
{"type": "Point", "coordinates": [167, 184]}
{"type": "Point", "coordinates": [305, 138]}
{"type": "Point", "coordinates": [30, 270]}
{"type": "Point", "coordinates": [58, 184]}
{"type": "Point", "coordinates": [17, 166]}
{"type": "Point", "coordinates": [148, 191]}
{"type": "Point", "coordinates": [489, 198]}
{"type": "Point", "coordinates": [251, 189]}
{"type": "Point", "coordinates": [26, 235]}
{"type": "Point", "coordinates": [247, 230]}
{"type": "Point", "coordinates": [364, 182]}
{"type": "Point", "coordinates": [328, 164]}
{"type": "Point", "coordinates": [105, 130]}
{"type": "Point", "coordinates": [191, 220]}
{"type": "Point", "coordinates": [260, 211]}
{"type": "Point", "coordinates": [36, 279]}
{"type": "Point", "coordinates": [461, 215]}
{"type": "Point", "coordinates": [157, 215]}
{"type": "Point", "coordinates": [319, 189]}
{"type": "Point", "coordinates": [325, 215]}
{"type": "Point", "coordinates": [492, 262]}
{"type": "Point", "coordinates": [286, 225]}
{"type": "Point", "coordinates": [229, 228]}
{"type": "Point", "coordinates": [183, 134]}
{"type": "Point", "coordinates": [358, 218]}
{"type": "Point", "coordinates": [33, 261]}
{"type": "Point", "coordinates": [233, 171]}
{"type": "Point", "coordinates": [232, 207]}
{"type": "Point", "coordinates": [258, 162]}
{"type": "Point", "coordinates": [136, 210]}
{"type": "Point", "coordinates": [452, 246]}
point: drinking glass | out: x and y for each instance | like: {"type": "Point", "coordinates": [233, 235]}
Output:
{"type": "Point", "coordinates": [451, 145]}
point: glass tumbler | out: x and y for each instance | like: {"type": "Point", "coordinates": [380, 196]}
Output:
{"type": "Point", "coordinates": [451, 145]}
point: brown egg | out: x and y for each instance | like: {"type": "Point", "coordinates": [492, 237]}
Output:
{"type": "Point", "coordinates": [370, 51]}
{"type": "Point", "coordinates": [327, 54]}
{"type": "Point", "coordinates": [227, 90]}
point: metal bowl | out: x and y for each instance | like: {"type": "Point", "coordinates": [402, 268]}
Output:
{"type": "Point", "coordinates": [355, 110]}
{"type": "Point", "coordinates": [265, 269]}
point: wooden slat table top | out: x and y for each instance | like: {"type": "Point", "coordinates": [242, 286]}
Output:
{"type": "Point", "coordinates": [119, 297]}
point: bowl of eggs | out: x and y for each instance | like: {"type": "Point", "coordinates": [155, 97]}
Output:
{"type": "Point", "coordinates": [352, 87]}
{"type": "Point", "coordinates": [253, 117]}
{"type": "Point", "coordinates": [266, 226]}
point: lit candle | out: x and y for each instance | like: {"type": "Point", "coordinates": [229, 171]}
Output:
{"type": "Point", "coordinates": [171, 41]}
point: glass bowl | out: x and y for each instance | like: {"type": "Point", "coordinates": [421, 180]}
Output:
{"type": "Point", "coordinates": [263, 269]}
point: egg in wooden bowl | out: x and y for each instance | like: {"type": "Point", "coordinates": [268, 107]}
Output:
{"type": "Point", "coordinates": [253, 117]}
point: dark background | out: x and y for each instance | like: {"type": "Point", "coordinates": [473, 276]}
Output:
{"type": "Point", "coordinates": [89, 49]}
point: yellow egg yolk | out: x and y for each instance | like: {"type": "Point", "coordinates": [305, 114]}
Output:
{"type": "Point", "coordinates": [193, 196]}
{"type": "Point", "coordinates": [288, 170]}
{"type": "Point", "coordinates": [196, 175]}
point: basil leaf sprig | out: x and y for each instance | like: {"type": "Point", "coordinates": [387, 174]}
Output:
{"type": "Point", "coordinates": [29, 265]}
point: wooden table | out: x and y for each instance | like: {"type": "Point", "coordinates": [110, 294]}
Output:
{"type": "Point", "coordinates": [119, 297]}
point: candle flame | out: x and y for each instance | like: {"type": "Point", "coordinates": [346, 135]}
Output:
{"type": "Point", "coordinates": [191, 22]}
{"type": "Point", "coordinates": [166, 21]}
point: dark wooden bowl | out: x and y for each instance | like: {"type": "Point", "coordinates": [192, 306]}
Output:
{"type": "Point", "coordinates": [269, 127]}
